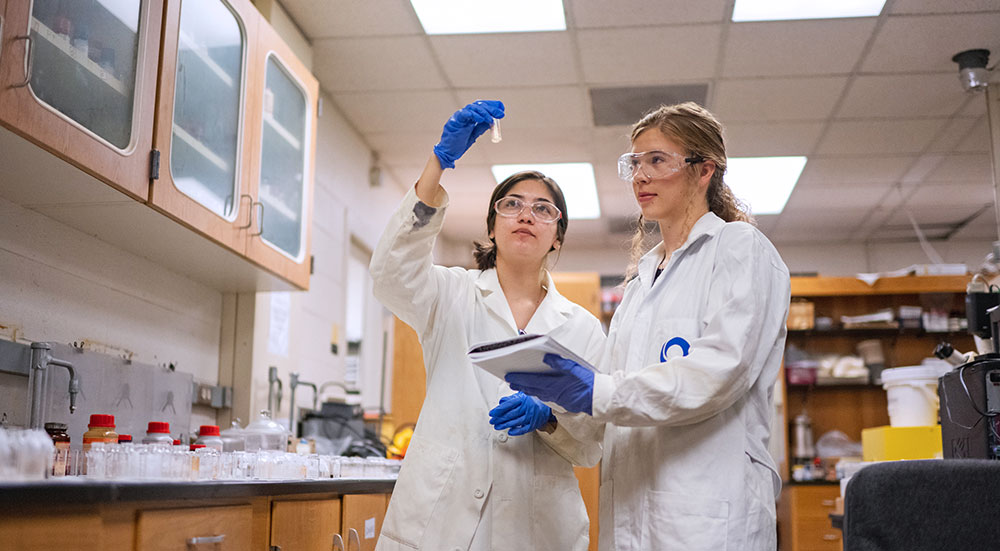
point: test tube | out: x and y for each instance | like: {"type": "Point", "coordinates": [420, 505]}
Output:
{"type": "Point", "coordinates": [495, 137]}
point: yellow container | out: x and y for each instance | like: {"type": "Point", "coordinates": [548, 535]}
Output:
{"type": "Point", "coordinates": [894, 443]}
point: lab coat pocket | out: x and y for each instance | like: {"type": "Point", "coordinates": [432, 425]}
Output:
{"type": "Point", "coordinates": [692, 523]}
{"type": "Point", "coordinates": [424, 478]}
{"type": "Point", "coordinates": [672, 338]}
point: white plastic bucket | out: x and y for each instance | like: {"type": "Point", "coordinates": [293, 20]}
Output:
{"type": "Point", "coordinates": [912, 394]}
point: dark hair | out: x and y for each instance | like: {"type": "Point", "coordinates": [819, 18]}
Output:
{"type": "Point", "coordinates": [485, 253]}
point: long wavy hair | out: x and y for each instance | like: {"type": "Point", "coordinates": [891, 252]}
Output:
{"type": "Point", "coordinates": [699, 133]}
{"type": "Point", "coordinates": [485, 253]}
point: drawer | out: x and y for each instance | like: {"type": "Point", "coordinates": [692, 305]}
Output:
{"type": "Point", "coordinates": [817, 535]}
{"type": "Point", "coordinates": [816, 502]}
{"type": "Point", "coordinates": [198, 528]}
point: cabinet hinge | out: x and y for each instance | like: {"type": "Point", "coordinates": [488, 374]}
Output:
{"type": "Point", "coordinates": [312, 264]}
{"type": "Point", "coordinates": [154, 164]}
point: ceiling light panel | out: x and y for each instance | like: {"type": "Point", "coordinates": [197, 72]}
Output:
{"type": "Point", "coordinates": [781, 10]}
{"type": "Point", "coordinates": [764, 183]}
{"type": "Point", "coordinates": [489, 16]}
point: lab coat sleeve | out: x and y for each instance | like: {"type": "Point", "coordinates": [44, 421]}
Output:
{"type": "Point", "coordinates": [744, 319]}
{"type": "Point", "coordinates": [578, 436]}
{"type": "Point", "coordinates": [404, 278]}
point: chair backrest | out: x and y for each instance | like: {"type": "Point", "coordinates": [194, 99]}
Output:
{"type": "Point", "coordinates": [917, 505]}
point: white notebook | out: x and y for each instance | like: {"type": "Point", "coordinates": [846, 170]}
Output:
{"type": "Point", "coordinates": [523, 353]}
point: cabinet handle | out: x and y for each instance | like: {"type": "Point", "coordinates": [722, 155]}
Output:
{"type": "Point", "coordinates": [338, 543]}
{"type": "Point", "coordinates": [27, 61]}
{"type": "Point", "coordinates": [828, 503]}
{"type": "Point", "coordinates": [830, 537]}
{"type": "Point", "coordinates": [192, 542]}
{"type": "Point", "coordinates": [249, 213]}
{"type": "Point", "coordinates": [275, 548]}
{"type": "Point", "coordinates": [352, 533]}
{"type": "Point", "coordinates": [260, 217]}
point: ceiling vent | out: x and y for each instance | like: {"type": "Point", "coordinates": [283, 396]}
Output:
{"type": "Point", "coordinates": [624, 106]}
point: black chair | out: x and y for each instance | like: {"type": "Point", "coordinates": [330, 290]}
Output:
{"type": "Point", "coordinates": [951, 504]}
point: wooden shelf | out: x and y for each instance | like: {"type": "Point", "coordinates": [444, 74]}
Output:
{"type": "Point", "coordinates": [61, 43]}
{"type": "Point", "coordinates": [873, 333]}
{"type": "Point", "coordinates": [843, 286]}
{"type": "Point", "coordinates": [280, 130]}
{"type": "Point", "coordinates": [192, 46]}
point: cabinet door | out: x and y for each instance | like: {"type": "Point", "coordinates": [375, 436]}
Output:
{"type": "Point", "coordinates": [284, 117]}
{"type": "Point", "coordinates": [362, 520]}
{"type": "Point", "coordinates": [304, 525]}
{"type": "Point", "coordinates": [211, 528]}
{"type": "Point", "coordinates": [200, 121]}
{"type": "Point", "coordinates": [79, 80]}
{"type": "Point", "coordinates": [69, 530]}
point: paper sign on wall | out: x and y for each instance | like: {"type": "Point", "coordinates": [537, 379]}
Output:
{"type": "Point", "coordinates": [277, 334]}
{"type": "Point", "coordinates": [370, 528]}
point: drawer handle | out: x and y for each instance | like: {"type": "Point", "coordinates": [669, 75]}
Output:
{"type": "Point", "coordinates": [353, 534]}
{"type": "Point", "coordinates": [192, 542]}
{"type": "Point", "coordinates": [338, 543]}
{"type": "Point", "coordinates": [828, 503]}
{"type": "Point", "coordinates": [830, 537]}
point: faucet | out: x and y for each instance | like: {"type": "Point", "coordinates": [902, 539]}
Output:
{"type": "Point", "coordinates": [294, 382]}
{"type": "Point", "coordinates": [272, 377]}
{"type": "Point", "coordinates": [41, 359]}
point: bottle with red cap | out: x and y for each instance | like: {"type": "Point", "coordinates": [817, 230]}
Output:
{"type": "Point", "coordinates": [158, 432]}
{"type": "Point", "coordinates": [101, 429]}
{"type": "Point", "coordinates": [124, 438]}
{"type": "Point", "coordinates": [209, 436]}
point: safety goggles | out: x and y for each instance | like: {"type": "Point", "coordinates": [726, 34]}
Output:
{"type": "Point", "coordinates": [654, 164]}
{"type": "Point", "coordinates": [543, 211]}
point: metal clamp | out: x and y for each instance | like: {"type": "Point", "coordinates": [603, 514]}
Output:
{"type": "Point", "coordinates": [260, 217]}
{"type": "Point", "coordinates": [27, 60]}
{"type": "Point", "coordinates": [352, 533]}
{"type": "Point", "coordinates": [192, 542]}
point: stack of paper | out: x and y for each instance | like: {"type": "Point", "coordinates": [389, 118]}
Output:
{"type": "Point", "coordinates": [520, 354]}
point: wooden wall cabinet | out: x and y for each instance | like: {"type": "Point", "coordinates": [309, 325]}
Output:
{"type": "Point", "coordinates": [195, 109]}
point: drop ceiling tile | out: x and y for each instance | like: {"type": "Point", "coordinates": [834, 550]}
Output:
{"type": "Point", "coordinates": [413, 148]}
{"type": "Point", "coordinates": [489, 60]}
{"type": "Point", "coordinates": [902, 96]}
{"type": "Point", "coordinates": [770, 139]}
{"type": "Point", "coordinates": [795, 48]}
{"type": "Point", "coordinates": [421, 110]}
{"type": "Point", "coordinates": [777, 99]}
{"type": "Point", "coordinates": [982, 227]}
{"type": "Point", "coordinates": [975, 105]}
{"type": "Point", "coordinates": [879, 137]}
{"type": "Point", "coordinates": [648, 55]}
{"type": "Point", "coordinates": [837, 196]}
{"type": "Point", "coordinates": [540, 145]}
{"type": "Point", "coordinates": [627, 13]}
{"type": "Point", "coordinates": [853, 170]}
{"type": "Point", "coordinates": [342, 18]}
{"type": "Point", "coordinates": [542, 107]}
{"type": "Point", "coordinates": [977, 140]}
{"type": "Point", "coordinates": [922, 43]}
{"type": "Point", "coordinates": [379, 64]}
{"type": "Point", "coordinates": [931, 215]}
{"type": "Point", "coordinates": [957, 131]}
{"type": "Point", "coordinates": [936, 6]}
{"type": "Point", "coordinates": [963, 168]}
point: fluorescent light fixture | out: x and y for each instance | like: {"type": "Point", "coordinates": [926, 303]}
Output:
{"type": "Point", "coordinates": [764, 183]}
{"type": "Point", "coordinates": [575, 179]}
{"type": "Point", "coordinates": [780, 10]}
{"type": "Point", "coordinates": [489, 16]}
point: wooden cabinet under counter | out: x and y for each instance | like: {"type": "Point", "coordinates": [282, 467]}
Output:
{"type": "Point", "coordinates": [306, 525]}
{"type": "Point", "coordinates": [216, 528]}
{"type": "Point", "coordinates": [804, 518]}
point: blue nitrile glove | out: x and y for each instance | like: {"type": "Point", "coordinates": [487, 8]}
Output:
{"type": "Point", "coordinates": [521, 414]}
{"type": "Point", "coordinates": [569, 384]}
{"type": "Point", "coordinates": [462, 129]}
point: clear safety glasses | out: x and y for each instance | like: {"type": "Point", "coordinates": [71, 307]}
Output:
{"type": "Point", "coordinates": [654, 164]}
{"type": "Point", "coordinates": [543, 211]}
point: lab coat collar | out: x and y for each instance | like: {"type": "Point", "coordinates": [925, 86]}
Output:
{"type": "Point", "coordinates": [707, 226]}
{"type": "Point", "coordinates": [551, 313]}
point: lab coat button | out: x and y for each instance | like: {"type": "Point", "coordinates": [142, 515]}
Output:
{"type": "Point", "coordinates": [478, 493]}
{"type": "Point", "coordinates": [502, 437]}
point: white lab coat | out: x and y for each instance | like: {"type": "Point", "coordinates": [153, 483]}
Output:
{"type": "Point", "coordinates": [463, 484]}
{"type": "Point", "coordinates": [686, 464]}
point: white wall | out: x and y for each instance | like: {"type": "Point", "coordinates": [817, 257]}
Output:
{"type": "Point", "coordinates": [59, 284]}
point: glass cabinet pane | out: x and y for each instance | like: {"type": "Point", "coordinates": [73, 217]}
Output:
{"type": "Point", "coordinates": [283, 160]}
{"type": "Point", "coordinates": [208, 92]}
{"type": "Point", "coordinates": [83, 62]}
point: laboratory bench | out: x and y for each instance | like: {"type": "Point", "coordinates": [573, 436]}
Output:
{"type": "Point", "coordinates": [151, 516]}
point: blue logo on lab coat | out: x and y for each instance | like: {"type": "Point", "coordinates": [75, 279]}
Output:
{"type": "Point", "coordinates": [676, 341]}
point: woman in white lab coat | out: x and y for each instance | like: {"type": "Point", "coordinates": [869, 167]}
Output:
{"type": "Point", "coordinates": [464, 485]}
{"type": "Point", "coordinates": [691, 358]}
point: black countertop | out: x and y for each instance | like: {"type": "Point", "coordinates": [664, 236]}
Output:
{"type": "Point", "coordinates": [74, 490]}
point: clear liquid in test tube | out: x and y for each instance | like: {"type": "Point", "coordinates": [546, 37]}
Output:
{"type": "Point", "coordinates": [495, 137]}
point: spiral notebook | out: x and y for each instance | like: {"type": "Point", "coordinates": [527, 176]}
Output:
{"type": "Point", "coordinates": [523, 353]}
